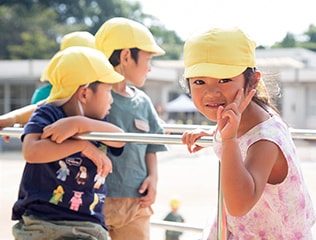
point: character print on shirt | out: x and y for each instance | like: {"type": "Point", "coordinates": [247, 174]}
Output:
{"type": "Point", "coordinates": [74, 161]}
{"type": "Point", "coordinates": [76, 201]}
{"type": "Point", "coordinates": [82, 175]}
{"type": "Point", "coordinates": [63, 171]}
{"type": "Point", "coordinates": [57, 195]}
{"type": "Point", "coordinates": [99, 180]}
{"type": "Point", "coordinates": [93, 204]}
{"type": "Point", "coordinates": [98, 198]}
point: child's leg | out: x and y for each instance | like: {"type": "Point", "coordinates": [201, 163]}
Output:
{"type": "Point", "coordinates": [126, 219]}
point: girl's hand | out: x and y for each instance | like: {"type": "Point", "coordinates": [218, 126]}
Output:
{"type": "Point", "coordinates": [228, 118]}
{"type": "Point", "coordinates": [100, 159]}
{"type": "Point", "coordinates": [60, 130]}
{"type": "Point", "coordinates": [190, 137]}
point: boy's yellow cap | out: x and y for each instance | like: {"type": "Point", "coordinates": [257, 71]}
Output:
{"type": "Point", "coordinates": [78, 38]}
{"type": "Point", "coordinates": [218, 53]}
{"type": "Point", "coordinates": [76, 66]}
{"type": "Point", "coordinates": [119, 33]}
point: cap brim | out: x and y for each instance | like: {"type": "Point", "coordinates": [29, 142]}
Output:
{"type": "Point", "coordinates": [156, 50]}
{"type": "Point", "coordinates": [57, 102]}
{"type": "Point", "coordinates": [111, 78]}
{"type": "Point", "coordinates": [54, 99]}
{"type": "Point", "coordinates": [213, 70]}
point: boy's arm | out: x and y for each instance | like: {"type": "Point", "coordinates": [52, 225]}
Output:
{"type": "Point", "coordinates": [149, 185]}
{"type": "Point", "coordinates": [65, 128]}
{"type": "Point", "coordinates": [37, 150]}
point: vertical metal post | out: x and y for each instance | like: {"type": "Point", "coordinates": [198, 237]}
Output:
{"type": "Point", "coordinates": [221, 211]}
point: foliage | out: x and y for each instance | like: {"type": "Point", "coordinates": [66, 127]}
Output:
{"type": "Point", "coordinates": [308, 42]}
{"type": "Point", "coordinates": [33, 28]}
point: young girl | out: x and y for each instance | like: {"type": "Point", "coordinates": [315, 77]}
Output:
{"type": "Point", "coordinates": [264, 193]}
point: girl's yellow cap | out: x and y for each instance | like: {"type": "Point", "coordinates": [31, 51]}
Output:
{"type": "Point", "coordinates": [218, 53]}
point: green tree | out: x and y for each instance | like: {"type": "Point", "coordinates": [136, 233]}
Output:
{"type": "Point", "coordinates": [35, 27]}
{"type": "Point", "coordinates": [288, 41]}
{"type": "Point", "coordinates": [310, 43]}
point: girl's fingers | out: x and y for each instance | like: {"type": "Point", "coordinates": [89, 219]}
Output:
{"type": "Point", "coordinates": [247, 100]}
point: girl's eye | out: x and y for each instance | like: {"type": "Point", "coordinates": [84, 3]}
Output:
{"type": "Point", "coordinates": [198, 82]}
{"type": "Point", "coordinates": [226, 80]}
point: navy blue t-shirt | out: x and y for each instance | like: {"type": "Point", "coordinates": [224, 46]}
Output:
{"type": "Point", "coordinates": [68, 189]}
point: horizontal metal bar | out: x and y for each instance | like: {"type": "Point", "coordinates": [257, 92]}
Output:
{"type": "Point", "coordinates": [176, 226]}
{"type": "Point", "coordinates": [122, 137]}
{"type": "Point", "coordinates": [307, 134]}
{"type": "Point", "coordinates": [180, 128]}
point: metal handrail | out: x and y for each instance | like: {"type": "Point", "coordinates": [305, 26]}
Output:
{"type": "Point", "coordinates": [177, 226]}
{"type": "Point", "coordinates": [121, 137]}
{"type": "Point", "coordinates": [296, 133]}
{"type": "Point", "coordinates": [307, 134]}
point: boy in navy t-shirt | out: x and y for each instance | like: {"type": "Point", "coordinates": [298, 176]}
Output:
{"type": "Point", "coordinates": [62, 191]}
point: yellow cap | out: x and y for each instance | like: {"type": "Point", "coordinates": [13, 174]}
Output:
{"type": "Point", "coordinates": [78, 38]}
{"type": "Point", "coordinates": [174, 203]}
{"type": "Point", "coordinates": [76, 66]}
{"type": "Point", "coordinates": [119, 33]}
{"type": "Point", "coordinates": [218, 53]}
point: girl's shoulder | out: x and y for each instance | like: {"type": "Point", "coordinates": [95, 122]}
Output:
{"type": "Point", "coordinates": [273, 129]}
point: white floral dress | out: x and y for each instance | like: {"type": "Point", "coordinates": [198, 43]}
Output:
{"type": "Point", "coordinates": [284, 211]}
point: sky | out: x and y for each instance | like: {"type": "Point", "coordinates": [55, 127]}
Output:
{"type": "Point", "coordinates": [266, 21]}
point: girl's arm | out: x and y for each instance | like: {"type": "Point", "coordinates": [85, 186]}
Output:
{"type": "Point", "coordinates": [38, 150]}
{"type": "Point", "coordinates": [71, 126]}
{"type": "Point", "coordinates": [243, 182]}
{"type": "Point", "coordinates": [190, 137]}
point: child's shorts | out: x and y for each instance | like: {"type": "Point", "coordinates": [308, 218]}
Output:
{"type": "Point", "coordinates": [32, 228]}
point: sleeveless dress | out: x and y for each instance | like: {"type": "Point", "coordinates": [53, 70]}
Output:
{"type": "Point", "coordinates": [284, 211]}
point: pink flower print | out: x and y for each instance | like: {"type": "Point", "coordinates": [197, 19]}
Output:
{"type": "Point", "coordinates": [298, 236]}
{"type": "Point", "coordinates": [262, 234]}
{"type": "Point", "coordinates": [242, 228]}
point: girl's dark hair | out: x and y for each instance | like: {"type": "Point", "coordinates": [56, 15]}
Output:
{"type": "Point", "coordinates": [115, 57]}
{"type": "Point", "coordinates": [262, 97]}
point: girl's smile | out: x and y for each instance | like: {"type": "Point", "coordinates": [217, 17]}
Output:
{"type": "Point", "coordinates": [209, 94]}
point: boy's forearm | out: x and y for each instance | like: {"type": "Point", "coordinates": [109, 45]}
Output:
{"type": "Point", "coordinates": [85, 125]}
{"type": "Point", "coordinates": [36, 151]}
{"type": "Point", "coordinates": [152, 169]}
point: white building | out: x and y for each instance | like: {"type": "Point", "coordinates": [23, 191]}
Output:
{"type": "Point", "coordinates": [295, 69]}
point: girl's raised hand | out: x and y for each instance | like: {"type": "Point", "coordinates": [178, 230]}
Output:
{"type": "Point", "coordinates": [228, 118]}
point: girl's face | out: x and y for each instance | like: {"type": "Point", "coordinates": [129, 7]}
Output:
{"type": "Point", "coordinates": [210, 93]}
{"type": "Point", "coordinates": [136, 73]}
{"type": "Point", "coordinates": [99, 102]}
